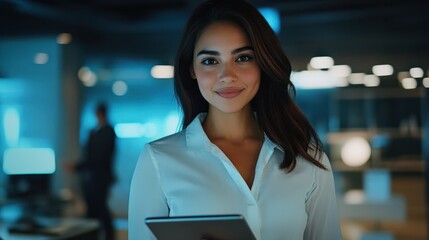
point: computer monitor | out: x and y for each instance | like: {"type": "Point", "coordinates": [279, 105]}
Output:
{"type": "Point", "coordinates": [28, 186]}
{"type": "Point", "coordinates": [29, 172]}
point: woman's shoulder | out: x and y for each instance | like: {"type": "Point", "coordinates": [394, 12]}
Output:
{"type": "Point", "coordinates": [319, 155]}
{"type": "Point", "coordinates": [173, 140]}
{"type": "Point", "coordinates": [164, 148]}
{"type": "Point", "coordinates": [192, 135]}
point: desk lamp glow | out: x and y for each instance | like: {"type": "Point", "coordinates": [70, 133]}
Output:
{"type": "Point", "coordinates": [355, 152]}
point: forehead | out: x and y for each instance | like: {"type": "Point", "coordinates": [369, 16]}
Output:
{"type": "Point", "coordinates": [222, 34]}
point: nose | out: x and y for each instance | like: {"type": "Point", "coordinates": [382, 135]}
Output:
{"type": "Point", "coordinates": [227, 73]}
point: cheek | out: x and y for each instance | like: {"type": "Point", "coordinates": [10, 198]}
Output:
{"type": "Point", "coordinates": [205, 79]}
{"type": "Point", "coordinates": [252, 77]}
{"type": "Point", "coordinates": [204, 75]}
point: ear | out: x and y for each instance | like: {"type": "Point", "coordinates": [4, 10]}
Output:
{"type": "Point", "coordinates": [192, 73]}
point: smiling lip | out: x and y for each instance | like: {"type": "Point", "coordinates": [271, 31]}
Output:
{"type": "Point", "coordinates": [229, 92]}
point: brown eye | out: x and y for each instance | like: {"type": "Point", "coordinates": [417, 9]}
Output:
{"type": "Point", "coordinates": [209, 61]}
{"type": "Point", "coordinates": [244, 58]}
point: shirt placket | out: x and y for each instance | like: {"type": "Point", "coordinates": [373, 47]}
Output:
{"type": "Point", "coordinates": [251, 195]}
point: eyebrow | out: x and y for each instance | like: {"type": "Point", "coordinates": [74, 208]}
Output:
{"type": "Point", "coordinates": [216, 53]}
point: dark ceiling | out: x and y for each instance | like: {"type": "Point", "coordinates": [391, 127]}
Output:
{"type": "Point", "coordinates": [360, 33]}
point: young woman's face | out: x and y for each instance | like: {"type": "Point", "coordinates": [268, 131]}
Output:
{"type": "Point", "coordinates": [225, 67]}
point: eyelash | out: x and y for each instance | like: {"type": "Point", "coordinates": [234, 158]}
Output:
{"type": "Point", "coordinates": [248, 58]}
{"type": "Point", "coordinates": [213, 61]}
{"type": "Point", "coordinates": [206, 61]}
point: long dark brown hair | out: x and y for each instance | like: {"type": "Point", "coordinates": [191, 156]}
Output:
{"type": "Point", "coordinates": [277, 114]}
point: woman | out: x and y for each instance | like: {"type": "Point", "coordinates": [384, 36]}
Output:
{"type": "Point", "coordinates": [245, 147]}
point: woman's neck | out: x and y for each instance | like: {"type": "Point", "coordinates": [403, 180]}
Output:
{"type": "Point", "coordinates": [235, 127]}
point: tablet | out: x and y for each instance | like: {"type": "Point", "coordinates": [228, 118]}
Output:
{"type": "Point", "coordinates": [209, 227]}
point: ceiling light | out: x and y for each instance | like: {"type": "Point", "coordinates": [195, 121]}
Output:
{"type": "Point", "coordinates": [322, 62]}
{"type": "Point", "coordinates": [341, 82]}
{"type": "Point", "coordinates": [129, 130]}
{"type": "Point", "coordinates": [340, 71]}
{"type": "Point", "coordinates": [41, 58]}
{"type": "Point", "coordinates": [87, 76]}
{"type": "Point", "coordinates": [416, 72]}
{"type": "Point", "coordinates": [402, 75]}
{"type": "Point", "coordinates": [371, 80]}
{"type": "Point", "coordinates": [316, 79]}
{"type": "Point", "coordinates": [356, 78]}
{"type": "Point", "coordinates": [119, 88]}
{"type": "Point", "coordinates": [162, 71]}
{"type": "Point", "coordinates": [409, 83]}
{"type": "Point", "coordinates": [426, 82]}
{"type": "Point", "coordinates": [382, 70]}
{"type": "Point", "coordinates": [64, 38]}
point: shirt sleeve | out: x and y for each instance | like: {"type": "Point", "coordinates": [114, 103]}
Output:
{"type": "Point", "coordinates": [323, 222]}
{"type": "Point", "coordinates": [147, 198]}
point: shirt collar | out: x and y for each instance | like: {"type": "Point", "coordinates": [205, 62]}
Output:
{"type": "Point", "coordinates": [196, 137]}
{"type": "Point", "coordinates": [271, 144]}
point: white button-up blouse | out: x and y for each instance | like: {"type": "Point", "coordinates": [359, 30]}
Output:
{"type": "Point", "coordinates": [186, 174]}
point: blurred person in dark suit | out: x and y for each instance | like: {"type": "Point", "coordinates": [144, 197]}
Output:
{"type": "Point", "coordinates": [96, 170]}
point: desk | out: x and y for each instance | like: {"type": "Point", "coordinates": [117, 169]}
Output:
{"type": "Point", "coordinates": [392, 209]}
{"type": "Point", "coordinates": [61, 229]}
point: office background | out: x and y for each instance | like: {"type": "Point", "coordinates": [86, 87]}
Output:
{"type": "Point", "coordinates": [58, 59]}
